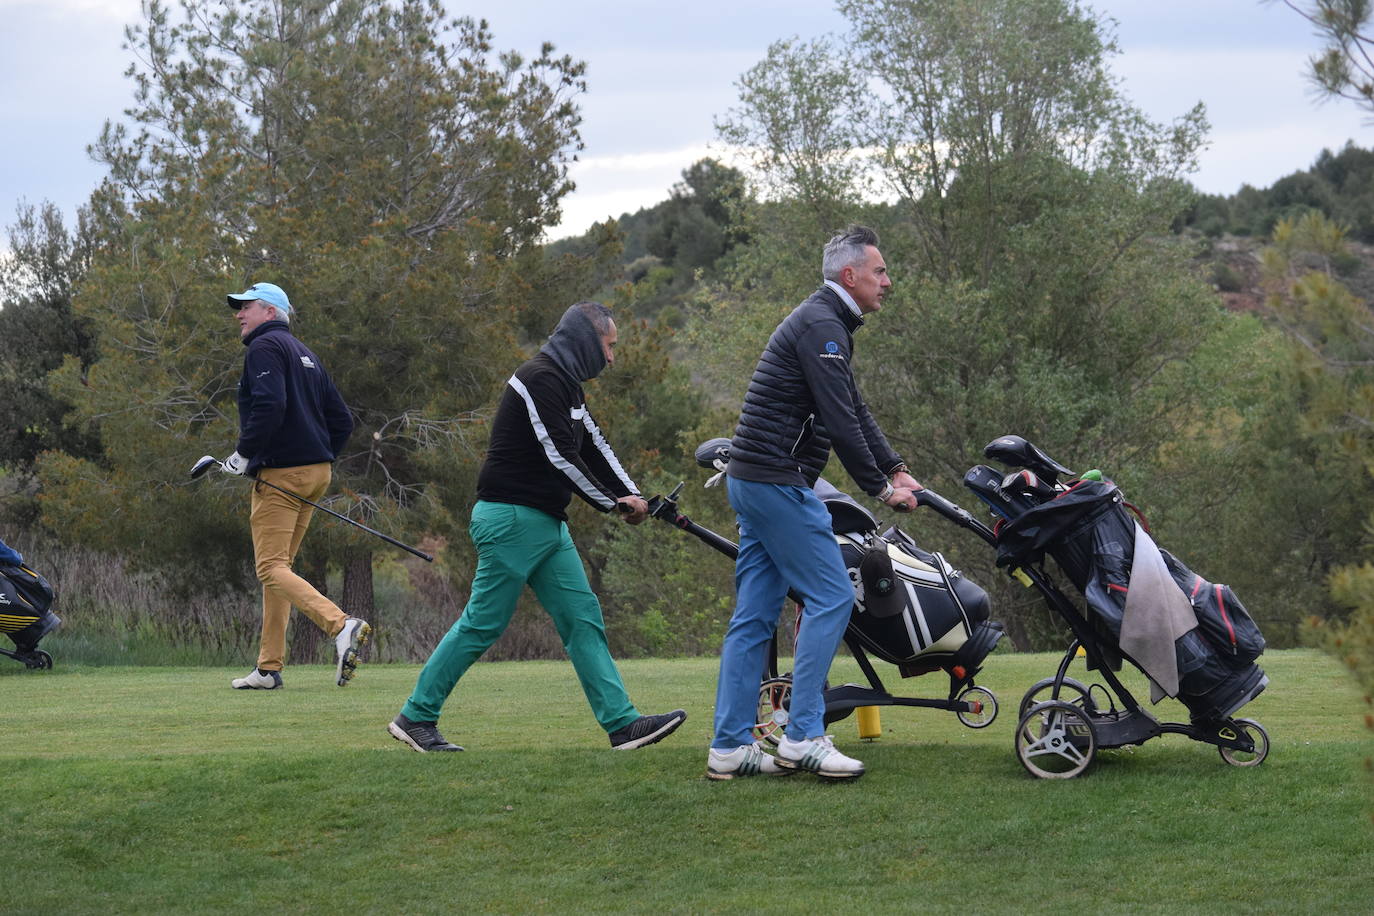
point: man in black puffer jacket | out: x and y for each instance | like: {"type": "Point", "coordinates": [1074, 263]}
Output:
{"type": "Point", "coordinates": [801, 402]}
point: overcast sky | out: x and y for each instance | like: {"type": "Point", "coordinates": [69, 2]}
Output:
{"type": "Point", "coordinates": [658, 72]}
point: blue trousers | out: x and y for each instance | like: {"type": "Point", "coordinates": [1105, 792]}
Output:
{"type": "Point", "coordinates": [784, 540]}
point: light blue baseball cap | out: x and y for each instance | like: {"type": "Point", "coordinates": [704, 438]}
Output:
{"type": "Point", "coordinates": [270, 293]}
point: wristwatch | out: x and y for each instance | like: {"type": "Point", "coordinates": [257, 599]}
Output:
{"type": "Point", "coordinates": [887, 493]}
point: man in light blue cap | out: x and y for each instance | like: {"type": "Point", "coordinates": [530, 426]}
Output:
{"type": "Point", "coordinates": [292, 425]}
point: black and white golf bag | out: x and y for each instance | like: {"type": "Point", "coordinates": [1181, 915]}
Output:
{"type": "Point", "coordinates": [911, 607]}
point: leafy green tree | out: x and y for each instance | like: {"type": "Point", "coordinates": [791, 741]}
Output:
{"type": "Point", "coordinates": [389, 169]}
{"type": "Point", "coordinates": [695, 230]}
{"type": "Point", "coordinates": [1332, 335]}
{"type": "Point", "coordinates": [1338, 185]}
{"type": "Point", "coordinates": [662, 250]}
{"type": "Point", "coordinates": [1334, 329]}
{"type": "Point", "coordinates": [794, 120]}
{"type": "Point", "coordinates": [38, 329]}
{"type": "Point", "coordinates": [1027, 227]}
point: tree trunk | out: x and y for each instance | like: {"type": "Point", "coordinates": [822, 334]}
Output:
{"type": "Point", "coordinates": [305, 636]}
{"type": "Point", "coordinates": [358, 599]}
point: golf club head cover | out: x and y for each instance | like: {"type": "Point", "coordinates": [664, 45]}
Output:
{"type": "Point", "coordinates": [711, 451]}
{"type": "Point", "coordinates": [883, 596]}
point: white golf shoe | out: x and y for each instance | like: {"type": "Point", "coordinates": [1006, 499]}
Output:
{"type": "Point", "coordinates": [745, 760]}
{"type": "Point", "coordinates": [257, 680]}
{"type": "Point", "coordinates": [819, 756]}
{"type": "Point", "coordinates": [353, 636]}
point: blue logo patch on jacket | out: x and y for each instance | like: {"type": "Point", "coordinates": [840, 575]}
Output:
{"type": "Point", "coordinates": [832, 351]}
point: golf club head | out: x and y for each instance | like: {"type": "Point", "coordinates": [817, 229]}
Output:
{"type": "Point", "coordinates": [711, 451]}
{"type": "Point", "coordinates": [204, 464]}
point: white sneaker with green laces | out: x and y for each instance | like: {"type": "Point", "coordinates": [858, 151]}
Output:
{"type": "Point", "coordinates": [819, 756]}
{"type": "Point", "coordinates": [745, 760]}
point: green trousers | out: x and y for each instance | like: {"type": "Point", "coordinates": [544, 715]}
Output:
{"type": "Point", "coordinates": [517, 545]}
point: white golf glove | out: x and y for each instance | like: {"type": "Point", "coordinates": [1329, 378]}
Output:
{"type": "Point", "coordinates": [235, 464]}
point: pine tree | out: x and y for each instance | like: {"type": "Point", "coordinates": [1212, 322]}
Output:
{"type": "Point", "coordinates": [391, 171]}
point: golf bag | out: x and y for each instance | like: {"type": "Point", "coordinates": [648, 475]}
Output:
{"type": "Point", "coordinates": [25, 615]}
{"type": "Point", "coordinates": [912, 608]}
{"type": "Point", "coordinates": [1086, 527]}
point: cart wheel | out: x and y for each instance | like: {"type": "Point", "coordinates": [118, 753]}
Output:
{"type": "Point", "coordinates": [775, 699]}
{"type": "Point", "coordinates": [987, 702]}
{"type": "Point", "coordinates": [1055, 740]}
{"type": "Point", "coordinates": [1075, 692]}
{"type": "Point", "coordinates": [39, 659]}
{"type": "Point", "coordinates": [1256, 733]}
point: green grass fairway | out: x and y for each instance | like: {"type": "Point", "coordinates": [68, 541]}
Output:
{"type": "Point", "coordinates": [160, 790]}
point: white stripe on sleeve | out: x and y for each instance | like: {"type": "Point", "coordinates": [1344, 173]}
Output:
{"type": "Point", "coordinates": [604, 448]}
{"type": "Point", "coordinates": [551, 452]}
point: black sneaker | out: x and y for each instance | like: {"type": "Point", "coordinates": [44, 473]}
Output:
{"type": "Point", "coordinates": [421, 736]}
{"type": "Point", "coordinates": [647, 730]}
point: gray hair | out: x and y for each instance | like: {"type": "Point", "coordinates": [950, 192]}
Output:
{"type": "Point", "coordinates": [848, 249]}
{"type": "Point", "coordinates": [599, 315]}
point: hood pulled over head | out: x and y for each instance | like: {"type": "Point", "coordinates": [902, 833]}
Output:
{"type": "Point", "coordinates": [576, 343]}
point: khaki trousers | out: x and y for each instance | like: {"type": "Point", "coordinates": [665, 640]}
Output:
{"type": "Point", "coordinates": [278, 523]}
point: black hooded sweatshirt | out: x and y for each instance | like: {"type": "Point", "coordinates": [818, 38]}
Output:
{"type": "Point", "coordinates": [545, 446]}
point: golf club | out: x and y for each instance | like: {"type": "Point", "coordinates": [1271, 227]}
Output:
{"type": "Point", "coordinates": [204, 464]}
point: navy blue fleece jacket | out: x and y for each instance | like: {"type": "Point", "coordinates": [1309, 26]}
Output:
{"type": "Point", "coordinates": [290, 413]}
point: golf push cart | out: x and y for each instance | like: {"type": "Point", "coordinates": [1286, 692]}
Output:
{"type": "Point", "coordinates": [911, 609]}
{"type": "Point", "coordinates": [1085, 526]}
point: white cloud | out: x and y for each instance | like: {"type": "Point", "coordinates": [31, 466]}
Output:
{"type": "Point", "coordinates": [1265, 121]}
{"type": "Point", "coordinates": [654, 163]}
{"type": "Point", "coordinates": [116, 10]}
{"type": "Point", "coordinates": [658, 74]}
{"type": "Point", "coordinates": [608, 186]}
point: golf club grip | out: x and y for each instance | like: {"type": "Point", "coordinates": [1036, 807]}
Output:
{"type": "Point", "coordinates": [406, 547]}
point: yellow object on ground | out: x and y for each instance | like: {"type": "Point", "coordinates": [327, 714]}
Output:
{"type": "Point", "coordinates": [870, 722]}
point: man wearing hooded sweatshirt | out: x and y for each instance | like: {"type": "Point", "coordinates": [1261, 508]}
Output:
{"type": "Point", "coordinates": [544, 447]}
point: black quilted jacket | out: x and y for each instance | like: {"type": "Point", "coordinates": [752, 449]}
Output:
{"type": "Point", "coordinates": [802, 401]}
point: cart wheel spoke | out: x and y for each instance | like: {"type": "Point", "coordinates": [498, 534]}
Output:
{"type": "Point", "coordinates": [1055, 740]}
